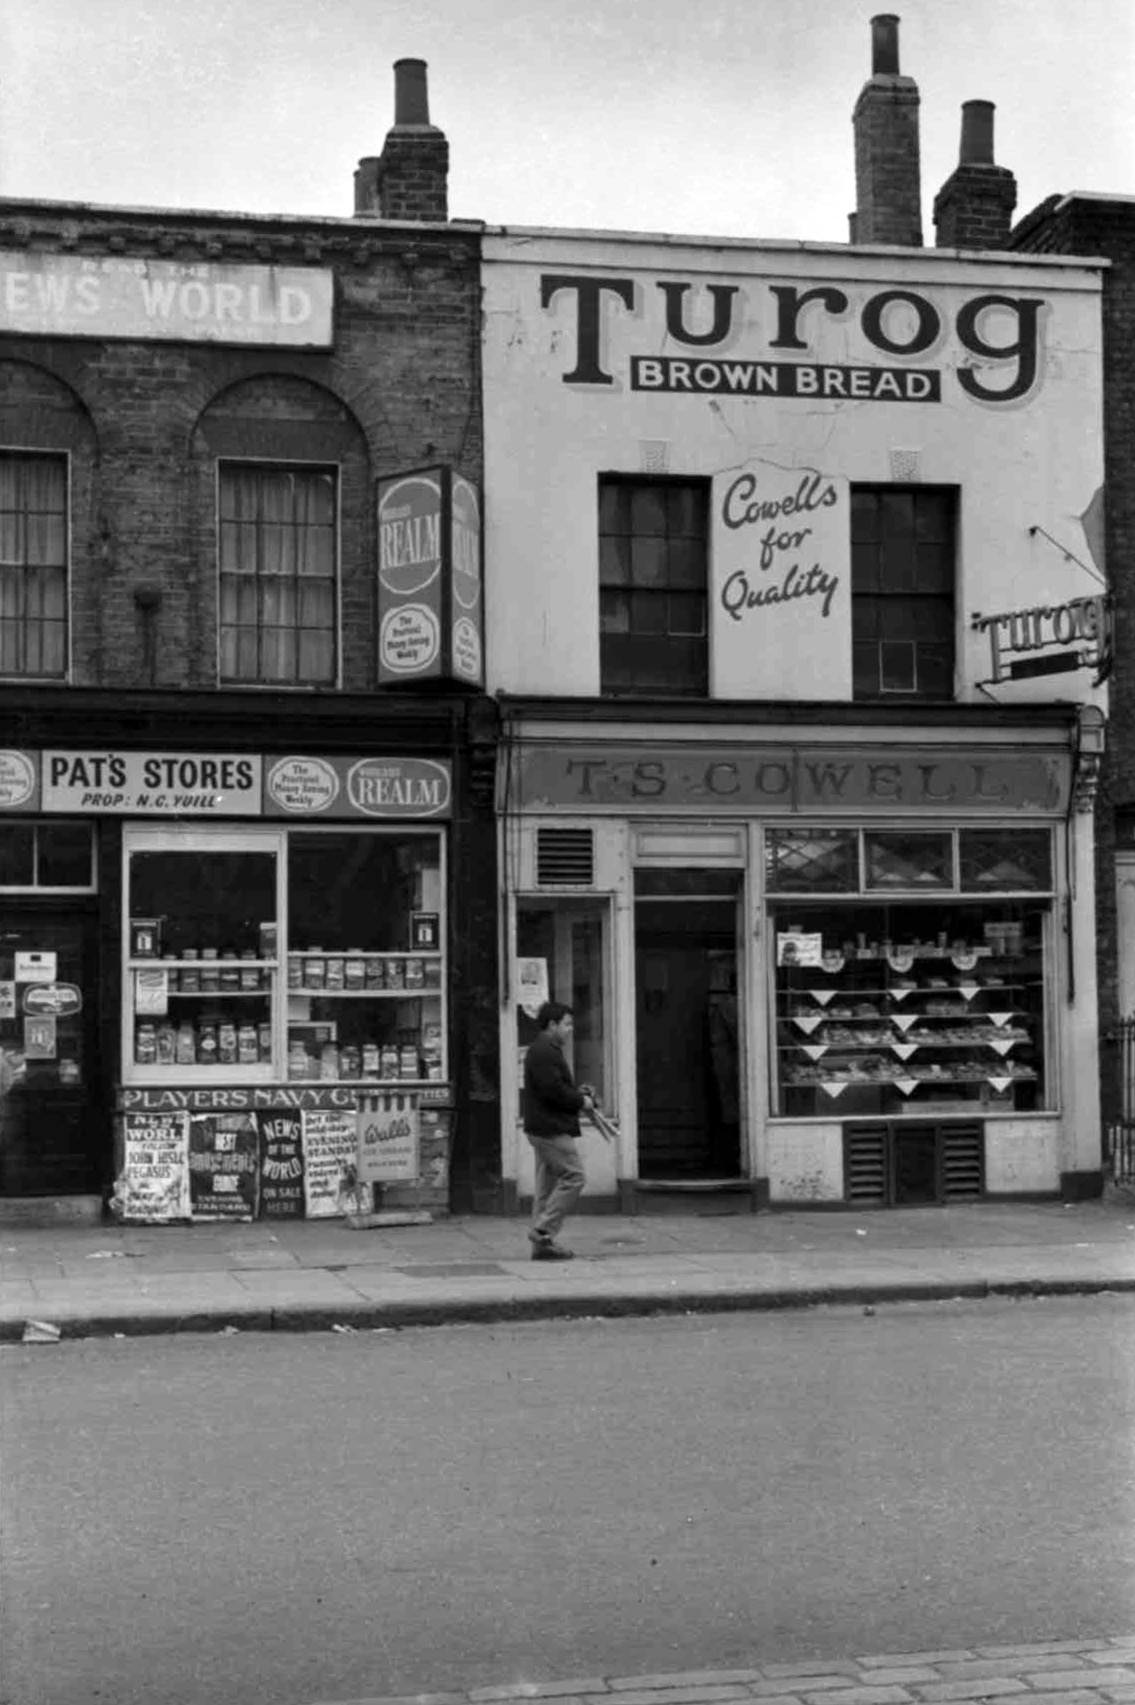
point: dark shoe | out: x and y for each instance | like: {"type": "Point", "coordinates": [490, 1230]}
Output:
{"type": "Point", "coordinates": [543, 1249]}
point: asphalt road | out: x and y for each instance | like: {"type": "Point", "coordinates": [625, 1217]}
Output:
{"type": "Point", "coordinates": [243, 1520]}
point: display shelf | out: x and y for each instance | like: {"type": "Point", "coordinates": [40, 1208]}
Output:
{"type": "Point", "coordinates": [886, 1027]}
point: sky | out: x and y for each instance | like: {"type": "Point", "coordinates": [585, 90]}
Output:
{"type": "Point", "coordinates": [701, 117]}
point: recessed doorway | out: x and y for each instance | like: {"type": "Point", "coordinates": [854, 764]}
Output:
{"type": "Point", "coordinates": [687, 1023]}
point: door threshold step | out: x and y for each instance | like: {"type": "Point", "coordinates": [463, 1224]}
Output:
{"type": "Point", "coordinates": [43, 1212]}
{"type": "Point", "coordinates": [693, 1186]}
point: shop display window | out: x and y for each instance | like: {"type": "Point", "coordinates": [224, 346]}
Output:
{"type": "Point", "coordinates": [284, 955]}
{"type": "Point", "coordinates": [910, 1006]}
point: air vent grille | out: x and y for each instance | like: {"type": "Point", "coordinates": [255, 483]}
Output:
{"type": "Point", "coordinates": [962, 1160]}
{"type": "Point", "coordinates": [865, 1163]}
{"type": "Point", "coordinates": [565, 858]}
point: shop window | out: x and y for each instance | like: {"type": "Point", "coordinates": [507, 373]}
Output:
{"type": "Point", "coordinates": [47, 855]}
{"type": "Point", "coordinates": [313, 956]}
{"type": "Point", "coordinates": [909, 1009]}
{"type": "Point", "coordinates": [811, 861]}
{"type": "Point", "coordinates": [278, 566]}
{"type": "Point", "coordinates": [652, 587]}
{"type": "Point", "coordinates": [33, 564]}
{"type": "Point", "coordinates": [902, 584]}
{"type": "Point", "coordinates": [561, 952]}
{"type": "Point", "coordinates": [908, 859]}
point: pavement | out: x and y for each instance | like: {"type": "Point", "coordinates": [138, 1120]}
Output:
{"type": "Point", "coordinates": [1097, 1671]}
{"type": "Point", "coordinates": [70, 1280]}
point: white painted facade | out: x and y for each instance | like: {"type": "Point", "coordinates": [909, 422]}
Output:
{"type": "Point", "coordinates": [785, 375]}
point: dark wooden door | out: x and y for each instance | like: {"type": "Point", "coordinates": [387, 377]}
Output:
{"type": "Point", "coordinates": [51, 1124]}
{"type": "Point", "coordinates": [687, 1126]}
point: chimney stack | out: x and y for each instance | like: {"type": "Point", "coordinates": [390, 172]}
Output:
{"type": "Point", "coordinates": [888, 190]}
{"type": "Point", "coordinates": [408, 179]}
{"type": "Point", "coordinates": [974, 207]}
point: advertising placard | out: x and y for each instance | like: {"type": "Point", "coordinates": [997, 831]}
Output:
{"type": "Point", "coordinates": [281, 1165]}
{"type": "Point", "coordinates": [410, 577]}
{"type": "Point", "coordinates": [781, 595]}
{"type": "Point", "coordinates": [466, 622]}
{"type": "Point", "coordinates": [330, 1150]}
{"type": "Point", "coordinates": [155, 1171]}
{"type": "Point", "coordinates": [224, 1154]}
{"type": "Point", "coordinates": [344, 788]}
{"type": "Point", "coordinates": [430, 613]}
{"type": "Point", "coordinates": [388, 1137]}
{"type": "Point", "coordinates": [19, 781]}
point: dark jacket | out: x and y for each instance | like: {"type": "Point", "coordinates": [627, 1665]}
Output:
{"type": "Point", "coordinates": [551, 1100]}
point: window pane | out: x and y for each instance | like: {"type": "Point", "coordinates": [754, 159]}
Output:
{"type": "Point", "coordinates": [1005, 859]}
{"type": "Point", "coordinates": [33, 549]}
{"type": "Point", "coordinates": [63, 855]}
{"type": "Point", "coordinates": [648, 510]}
{"type": "Point", "coordinates": [652, 539]}
{"type": "Point", "coordinates": [648, 612]}
{"type": "Point", "coordinates": [278, 534]}
{"type": "Point", "coordinates": [687, 613]}
{"type": "Point", "coordinates": [17, 855]}
{"type": "Point", "coordinates": [614, 561]}
{"type": "Point", "coordinates": [614, 612]}
{"type": "Point", "coordinates": [812, 861]}
{"type": "Point", "coordinates": [909, 860]}
{"type": "Point", "coordinates": [896, 666]}
{"type": "Point", "coordinates": [649, 560]}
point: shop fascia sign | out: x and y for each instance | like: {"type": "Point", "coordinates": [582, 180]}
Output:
{"type": "Point", "coordinates": [430, 618]}
{"type": "Point", "coordinates": [296, 788]}
{"type": "Point", "coordinates": [997, 339]}
{"type": "Point", "coordinates": [719, 780]}
{"type": "Point", "coordinates": [1049, 639]}
{"type": "Point", "coordinates": [115, 296]}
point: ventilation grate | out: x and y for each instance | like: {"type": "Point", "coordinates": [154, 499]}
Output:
{"type": "Point", "coordinates": [565, 858]}
{"type": "Point", "coordinates": [962, 1159]}
{"type": "Point", "coordinates": [865, 1163]}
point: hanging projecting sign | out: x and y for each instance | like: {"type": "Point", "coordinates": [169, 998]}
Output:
{"type": "Point", "coordinates": [430, 619]}
{"type": "Point", "coordinates": [108, 296]}
{"type": "Point", "coordinates": [1050, 639]}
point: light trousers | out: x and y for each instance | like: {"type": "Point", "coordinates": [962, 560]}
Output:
{"type": "Point", "coordinates": [559, 1182]}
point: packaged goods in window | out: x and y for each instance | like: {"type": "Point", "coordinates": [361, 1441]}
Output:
{"type": "Point", "coordinates": [298, 1063]}
{"type": "Point", "coordinates": [249, 974]}
{"type": "Point", "coordinates": [190, 974]}
{"type": "Point", "coordinates": [185, 1047]}
{"type": "Point", "coordinates": [408, 1060]}
{"type": "Point", "coordinates": [230, 972]}
{"type": "Point", "coordinates": [415, 974]}
{"type": "Point", "coordinates": [210, 971]}
{"type": "Point", "coordinates": [350, 1062]}
{"type": "Point", "coordinates": [226, 1043]}
{"type": "Point", "coordinates": [166, 1044]}
{"type": "Point", "coordinates": [266, 941]}
{"type": "Point", "coordinates": [395, 974]}
{"type": "Point", "coordinates": [207, 1044]}
{"type": "Point", "coordinates": [314, 972]}
{"type": "Point", "coordinates": [336, 975]}
{"type": "Point", "coordinates": [389, 1060]}
{"type": "Point", "coordinates": [433, 973]}
{"type": "Point", "coordinates": [264, 1041]}
{"type": "Point", "coordinates": [354, 973]}
{"type": "Point", "coordinates": [329, 1060]}
{"type": "Point", "coordinates": [247, 1048]}
{"type": "Point", "coordinates": [145, 1045]}
{"type": "Point", "coordinates": [371, 1059]}
{"type": "Point", "coordinates": [375, 972]}
{"type": "Point", "coordinates": [295, 971]}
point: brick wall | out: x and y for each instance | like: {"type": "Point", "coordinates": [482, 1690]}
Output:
{"type": "Point", "coordinates": [145, 422]}
{"type": "Point", "coordinates": [1107, 228]}
{"type": "Point", "coordinates": [887, 176]}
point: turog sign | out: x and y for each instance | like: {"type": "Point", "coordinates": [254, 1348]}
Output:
{"type": "Point", "coordinates": [737, 340]}
{"type": "Point", "coordinates": [1050, 639]}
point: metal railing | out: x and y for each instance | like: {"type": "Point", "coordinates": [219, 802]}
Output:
{"type": "Point", "coordinates": [1119, 1136]}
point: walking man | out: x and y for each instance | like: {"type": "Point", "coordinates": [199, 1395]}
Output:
{"type": "Point", "coordinates": [552, 1105]}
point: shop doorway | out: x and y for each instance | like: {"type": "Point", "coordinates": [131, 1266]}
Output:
{"type": "Point", "coordinates": [51, 1128]}
{"type": "Point", "coordinates": [687, 1024]}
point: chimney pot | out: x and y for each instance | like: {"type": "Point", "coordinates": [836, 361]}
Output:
{"type": "Point", "coordinates": [977, 134]}
{"type": "Point", "coordinates": [885, 45]}
{"type": "Point", "coordinates": [411, 97]}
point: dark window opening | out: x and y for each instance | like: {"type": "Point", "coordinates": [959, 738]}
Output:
{"type": "Point", "coordinates": [903, 599]}
{"type": "Point", "coordinates": [652, 587]}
